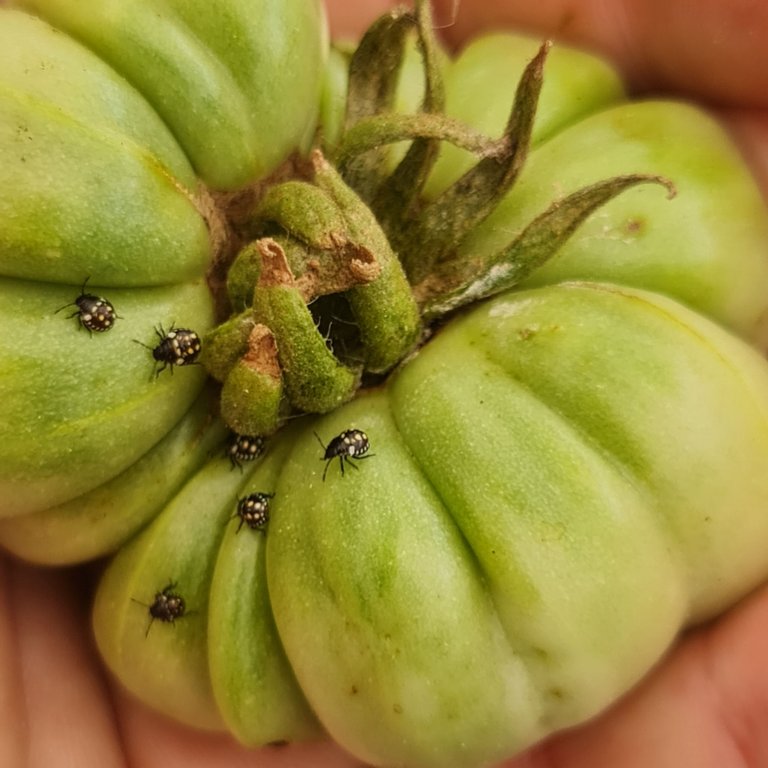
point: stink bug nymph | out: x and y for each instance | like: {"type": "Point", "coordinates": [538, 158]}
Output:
{"type": "Point", "coordinates": [177, 347]}
{"type": "Point", "coordinates": [253, 510]}
{"type": "Point", "coordinates": [94, 313]}
{"type": "Point", "coordinates": [244, 448]}
{"type": "Point", "coordinates": [167, 606]}
{"type": "Point", "coordinates": [350, 444]}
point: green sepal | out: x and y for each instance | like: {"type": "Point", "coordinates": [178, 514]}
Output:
{"type": "Point", "coordinates": [252, 394]}
{"type": "Point", "coordinates": [392, 127]}
{"type": "Point", "coordinates": [226, 344]}
{"type": "Point", "coordinates": [444, 222]}
{"type": "Point", "coordinates": [373, 79]}
{"type": "Point", "coordinates": [166, 664]}
{"type": "Point", "coordinates": [315, 380]}
{"type": "Point", "coordinates": [320, 272]}
{"type": "Point", "coordinates": [456, 284]}
{"type": "Point", "coordinates": [242, 276]}
{"type": "Point", "coordinates": [305, 212]}
{"type": "Point", "coordinates": [401, 191]}
{"type": "Point", "coordinates": [384, 309]}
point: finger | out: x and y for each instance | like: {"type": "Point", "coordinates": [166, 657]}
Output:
{"type": "Point", "coordinates": [153, 741]}
{"type": "Point", "coordinates": [350, 19]}
{"type": "Point", "coordinates": [712, 49]}
{"type": "Point", "coordinates": [65, 709]}
{"type": "Point", "coordinates": [13, 722]}
{"type": "Point", "coordinates": [750, 129]}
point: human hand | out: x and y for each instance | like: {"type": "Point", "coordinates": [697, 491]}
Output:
{"type": "Point", "coordinates": [705, 704]}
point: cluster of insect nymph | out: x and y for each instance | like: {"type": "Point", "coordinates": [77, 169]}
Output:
{"type": "Point", "coordinates": [180, 347]}
{"type": "Point", "coordinates": [175, 347]}
{"type": "Point", "coordinates": [253, 509]}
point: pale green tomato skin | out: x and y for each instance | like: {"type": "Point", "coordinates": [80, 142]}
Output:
{"type": "Point", "coordinates": [96, 186]}
{"type": "Point", "coordinates": [99, 521]}
{"type": "Point", "coordinates": [333, 95]}
{"type": "Point", "coordinates": [253, 684]}
{"type": "Point", "coordinates": [546, 506]}
{"type": "Point", "coordinates": [169, 664]}
{"type": "Point", "coordinates": [79, 408]}
{"type": "Point", "coordinates": [229, 632]}
{"type": "Point", "coordinates": [237, 81]}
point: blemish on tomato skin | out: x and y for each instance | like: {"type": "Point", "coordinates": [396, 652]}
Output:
{"type": "Point", "coordinates": [558, 694]}
{"type": "Point", "coordinates": [529, 332]}
{"type": "Point", "coordinates": [634, 226]}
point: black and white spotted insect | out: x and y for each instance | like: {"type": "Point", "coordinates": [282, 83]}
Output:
{"type": "Point", "coordinates": [177, 347]}
{"type": "Point", "coordinates": [253, 511]}
{"type": "Point", "coordinates": [168, 606]}
{"type": "Point", "coordinates": [244, 448]}
{"type": "Point", "coordinates": [350, 444]}
{"type": "Point", "coordinates": [94, 313]}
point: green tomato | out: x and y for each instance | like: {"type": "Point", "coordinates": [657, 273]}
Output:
{"type": "Point", "coordinates": [100, 188]}
{"type": "Point", "coordinates": [556, 484]}
{"type": "Point", "coordinates": [104, 197]}
{"type": "Point", "coordinates": [543, 507]}
{"type": "Point", "coordinates": [237, 82]}
{"type": "Point", "coordinates": [546, 507]}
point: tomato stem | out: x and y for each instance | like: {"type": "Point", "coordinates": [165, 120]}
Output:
{"type": "Point", "coordinates": [348, 264]}
{"type": "Point", "coordinates": [384, 309]}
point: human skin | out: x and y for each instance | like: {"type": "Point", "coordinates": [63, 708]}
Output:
{"type": "Point", "coordinates": [705, 705]}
